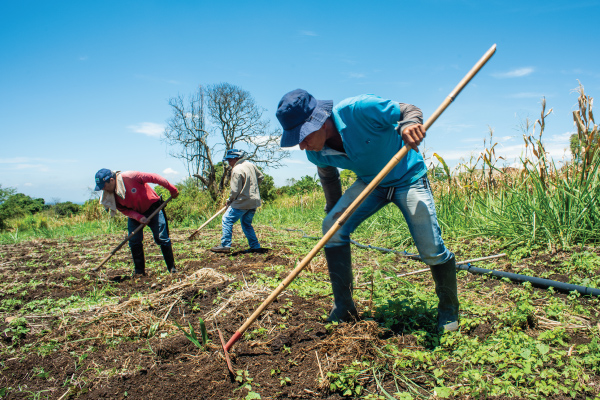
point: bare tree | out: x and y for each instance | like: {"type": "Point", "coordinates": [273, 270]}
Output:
{"type": "Point", "coordinates": [187, 134]}
{"type": "Point", "coordinates": [236, 121]}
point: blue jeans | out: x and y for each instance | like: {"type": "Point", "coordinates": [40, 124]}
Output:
{"type": "Point", "coordinates": [158, 225]}
{"type": "Point", "coordinates": [416, 203]}
{"type": "Point", "coordinates": [245, 216]}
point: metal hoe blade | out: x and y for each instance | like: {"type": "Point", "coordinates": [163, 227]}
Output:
{"type": "Point", "coordinates": [229, 367]}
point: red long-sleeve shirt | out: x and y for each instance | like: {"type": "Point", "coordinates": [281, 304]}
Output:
{"type": "Point", "coordinates": [139, 196]}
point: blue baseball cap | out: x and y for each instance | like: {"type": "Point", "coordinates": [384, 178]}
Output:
{"type": "Point", "coordinates": [102, 177]}
{"type": "Point", "coordinates": [233, 153]}
{"type": "Point", "coordinates": [300, 114]}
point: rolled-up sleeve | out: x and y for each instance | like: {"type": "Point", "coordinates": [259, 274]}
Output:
{"type": "Point", "coordinates": [410, 115]}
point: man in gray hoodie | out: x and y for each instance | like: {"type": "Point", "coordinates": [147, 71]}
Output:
{"type": "Point", "coordinates": [243, 201]}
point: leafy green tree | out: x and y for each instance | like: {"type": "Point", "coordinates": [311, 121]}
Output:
{"type": "Point", "coordinates": [5, 193]}
{"type": "Point", "coordinates": [66, 208]}
{"type": "Point", "coordinates": [267, 188]}
{"type": "Point", "coordinates": [4, 212]}
{"type": "Point", "coordinates": [20, 204]}
{"type": "Point", "coordinates": [306, 184]}
{"type": "Point", "coordinates": [577, 148]}
{"type": "Point", "coordinates": [14, 205]}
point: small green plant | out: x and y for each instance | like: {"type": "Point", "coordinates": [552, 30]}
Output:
{"type": "Point", "coordinates": [153, 329]}
{"type": "Point", "coordinates": [17, 328]}
{"type": "Point", "coordinates": [39, 372]}
{"type": "Point", "coordinates": [285, 381]}
{"type": "Point", "coordinates": [255, 333]}
{"type": "Point", "coordinates": [192, 334]}
{"type": "Point", "coordinates": [347, 381]}
{"type": "Point", "coordinates": [245, 382]}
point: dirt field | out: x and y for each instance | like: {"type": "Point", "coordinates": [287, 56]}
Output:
{"type": "Point", "coordinates": [106, 335]}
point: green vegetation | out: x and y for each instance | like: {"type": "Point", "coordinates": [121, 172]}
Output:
{"type": "Point", "coordinates": [514, 340]}
{"type": "Point", "coordinates": [201, 344]}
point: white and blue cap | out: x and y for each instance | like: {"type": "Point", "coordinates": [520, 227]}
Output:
{"type": "Point", "coordinates": [300, 114]}
{"type": "Point", "coordinates": [233, 153]}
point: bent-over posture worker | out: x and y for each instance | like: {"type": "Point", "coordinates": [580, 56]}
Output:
{"type": "Point", "coordinates": [362, 134]}
{"type": "Point", "coordinates": [129, 193]}
{"type": "Point", "coordinates": [243, 201]}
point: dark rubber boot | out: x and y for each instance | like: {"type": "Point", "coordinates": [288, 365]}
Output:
{"type": "Point", "coordinates": [137, 252]}
{"type": "Point", "coordinates": [339, 263]}
{"type": "Point", "coordinates": [444, 276]}
{"type": "Point", "coordinates": [167, 252]}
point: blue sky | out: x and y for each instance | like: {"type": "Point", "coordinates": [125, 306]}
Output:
{"type": "Point", "coordinates": [84, 85]}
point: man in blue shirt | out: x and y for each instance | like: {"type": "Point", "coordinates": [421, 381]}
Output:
{"type": "Point", "coordinates": [362, 134]}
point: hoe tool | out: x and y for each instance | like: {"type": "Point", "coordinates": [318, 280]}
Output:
{"type": "Point", "coordinates": [344, 217]}
{"type": "Point", "coordinates": [139, 228]}
{"type": "Point", "coordinates": [206, 223]}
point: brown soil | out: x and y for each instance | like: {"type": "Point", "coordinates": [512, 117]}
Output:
{"type": "Point", "coordinates": [102, 354]}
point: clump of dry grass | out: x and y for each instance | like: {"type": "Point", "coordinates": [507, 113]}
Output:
{"type": "Point", "coordinates": [145, 315]}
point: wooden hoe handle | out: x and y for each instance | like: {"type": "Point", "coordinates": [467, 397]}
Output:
{"type": "Point", "coordinates": [374, 183]}
{"type": "Point", "coordinates": [206, 223]}
{"type": "Point", "coordinates": [139, 228]}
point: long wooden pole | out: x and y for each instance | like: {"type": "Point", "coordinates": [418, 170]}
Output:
{"type": "Point", "coordinates": [139, 228]}
{"type": "Point", "coordinates": [206, 223]}
{"type": "Point", "coordinates": [361, 197]}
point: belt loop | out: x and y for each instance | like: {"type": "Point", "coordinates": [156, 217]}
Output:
{"type": "Point", "coordinates": [390, 193]}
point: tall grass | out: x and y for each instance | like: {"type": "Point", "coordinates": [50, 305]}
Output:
{"type": "Point", "coordinates": [537, 203]}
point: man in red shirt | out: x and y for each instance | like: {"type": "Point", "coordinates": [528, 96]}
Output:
{"type": "Point", "coordinates": [129, 193]}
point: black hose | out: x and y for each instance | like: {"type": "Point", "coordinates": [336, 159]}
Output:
{"type": "Point", "coordinates": [535, 282]}
{"type": "Point", "coordinates": [383, 249]}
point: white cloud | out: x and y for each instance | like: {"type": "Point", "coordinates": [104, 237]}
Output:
{"type": "Point", "coordinates": [308, 33]}
{"type": "Point", "coordinates": [259, 139]}
{"type": "Point", "coordinates": [28, 184]}
{"type": "Point", "coordinates": [170, 171]}
{"type": "Point", "coordinates": [505, 139]}
{"type": "Point", "coordinates": [515, 73]}
{"type": "Point", "coordinates": [148, 128]}
{"type": "Point", "coordinates": [83, 58]}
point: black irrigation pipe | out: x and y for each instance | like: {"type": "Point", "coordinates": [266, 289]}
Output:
{"type": "Point", "coordinates": [535, 282]}
{"type": "Point", "coordinates": [540, 283]}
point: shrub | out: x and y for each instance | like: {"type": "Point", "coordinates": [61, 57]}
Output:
{"type": "Point", "coordinates": [66, 208]}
